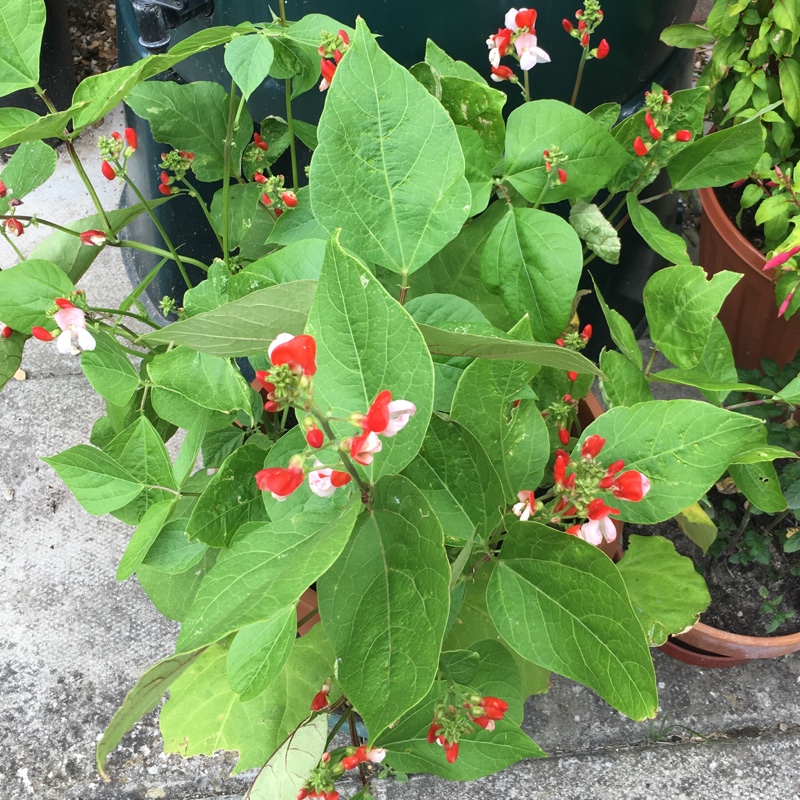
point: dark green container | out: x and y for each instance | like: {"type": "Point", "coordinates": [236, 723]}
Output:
{"type": "Point", "coordinates": [461, 28]}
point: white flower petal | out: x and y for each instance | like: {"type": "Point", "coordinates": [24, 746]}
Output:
{"type": "Point", "coordinates": [281, 338]}
{"type": "Point", "coordinates": [590, 532]}
{"type": "Point", "coordinates": [511, 19]}
{"type": "Point", "coordinates": [85, 339]}
{"type": "Point", "coordinates": [64, 343]}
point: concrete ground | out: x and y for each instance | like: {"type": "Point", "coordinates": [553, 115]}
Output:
{"type": "Point", "coordinates": [73, 640]}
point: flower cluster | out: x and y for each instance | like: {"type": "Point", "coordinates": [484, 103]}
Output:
{"type": "Point", "coordinates": [576, 482]}
{"type": "Point", "coordinates": [114, 153]}
{"type": "Point", "coordinates": [321, 781]}
{"type": "Point", "coordinates": [333, 47]}
{"type": "Point", "coordinates": [71, 336]}
{"type": "Point", "coordinates": [178, 162]}
{"type": "Point", "coordinates": [553, 158]}
{"type": "Point", "coordinates": [575, 341]}
{"type": "Point", "coordinates": [290, 383]}
{"type": "Point", "coordinates": [274, 195]}
{"type": "Point", "coordinates": [456, 715]}
{"type": "Point", "coordinates": [656, 118]}
{"type": "Point", "coordinates": [589, 19]}
{"type": "Point", "coordinates": [518, 40]}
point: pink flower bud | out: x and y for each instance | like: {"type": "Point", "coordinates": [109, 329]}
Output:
{"type": "Point", "coordinates": [780, 259]}
{"type": "Point", "coordinates": [785, 304]}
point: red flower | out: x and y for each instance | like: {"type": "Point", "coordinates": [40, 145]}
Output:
{"type": "Point", "coordinates": [526, 18]}
{"type": "Point", "coordinates": [328, 70]}
{"type": "Point", "coordinates": [289, 199]}
{"type": "Point", "coordinates": [503, 73]}
{"type": "Point", "coordinates": [14, 227]}
{"type": "Point", "coordinates": [108, 171]}
{"type": "Point", "coordinates": [377, 417]}
{"type": "Point", "coordinates": [592, 446]}
{"type": "Point", "coordinates": [631, 485]}
{"type": "Point", "coordinates": [598, 509]}
{"type": "Point", "coordinates": [602, 49]}
{"type": "Point", "coordinates": [484, 722]}
{"type": "Point", "coordinates": [320, 701]}
{"type": "Point", "coordinates": [93, 238]}
{"type": "Point", "coordinates": [363, 448]}
{"type": "Point", "coordinates": [683, 136]}
{"type": "Point", "coordinates": [279, 480]}
{"type": "Point", "coordinates": [639, 147]}
{"type": "Point", "coordinates": [131, 138]}
{"type": "Point", "coordinates": [315, 438]}
{"type": "Point", "coordinates": [299, 353]}
{"type": "Point", "coordinates": [259, 142]}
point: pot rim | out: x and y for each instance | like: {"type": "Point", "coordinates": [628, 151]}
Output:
{"type": "Point", "coordinates": [716, 640]}
{"type": "Point", "coordinates": [713, 210]}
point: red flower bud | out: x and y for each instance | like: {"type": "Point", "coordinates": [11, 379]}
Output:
{"type": "Point", "coordinates": [165, 178]}
{"type": "Point", "coordinates": [350, 762]}
{"type": "Point", "coordinates": [503, 73]}
{"type": "Point", "coordinates": [561, 343]}
{"type": "Point", "coordinates": [108, 171]}
{"type": "Point", "coordinates": [93, 238]}
{"type": "Point", "coordinates": [560, 468]}
{"type": "Point", "coordinates": [259, 142]}
{"type": "Point", "coordinates": [6, 332]}
{"type": "Point", "coordinates": [602, 49]}
{"type": "Point", "coordinates": [648, 118]}
{"type": "Point", "coordinates": [563, 436]}
{"type": "Point", "coordinates": [567, 25]}
{"type": "Point", "coordinates": [683, 136]}
{"type": "Point", "coordinates": [344, 37]}
{"type": "Point", "coordinates": [315, 438]}
{"type": "Point", "coordinates": [289, 199]}
{"type": "Point", "coordinates": [131, 138]}
{"type": "Point", "coordinates": [41, 334]}
{"type": "Point", "coordinates": [586, 333]}
{"type": "Point", "coordinates": [585, 40]}
{"type": "Point", "coordinates": [592, 446]}
{"type": "Point", "coordinates": [327, 68]}
{"type": "Point", "coordinates": [562, 176]}
{"type": "Point", "coordinates": [302, 794]}
{"type": "Point", "coordinates": [573, 376]}
{"type": "Point", "coordinates": [116, 136]}
{"type": "Point", "coordinates": [320, 701]}
{"type": "Point", "coordinates": [597, 509]}
{"type": "Point", "coordinates": [639, 147]}
{"type": "Point", "coordinates": [451, 753]}
{"type": "Point", "coordinates": [259, 178]}
{"type": "Point", "coordinates": [631, 485]}
{"type": "Point", "coordinates": [432, 731]}
{"type": "Point", "coordinates": [271, 406]}
{"type": "Point", "coordinates": [164, 189]}
{"type": "Point", "coordinates": [261, 377]}
{"type": "Point", "coordinates": [655, 133]}
{"type": "Point", "coordinates": [340, 478]}
{"type": "Point", "coordinates": [266, 199]}
{"type": "Point", "coordinates": [14, 227]}
{"type": "Point", "coordinates": [3, 189]}
{"type": "Point", "coordinates": [582, 25]}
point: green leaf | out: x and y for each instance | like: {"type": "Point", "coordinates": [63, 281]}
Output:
{"type": "Point", "coordinates": [109, 370]}
{"type": "Point", "coordinates": [681, 305]}
{"type": "Point", "coordinates": [17, 125]}
{"type": "Point", "coordinates": [243, 208]}
{"type": "Point", "coordinates": [682, 446]}
{"type": "Point", "coordinates": [10, 357]}
{"type": "Point", "coordinates": [203, 714]}
{"type": "Point", "coordinates": [594, 155]}
{"type": "Point", "coordinates": [468, 345]}
{"type": "Point", "coordinates": [481, 752]}
{"type": "Point", "coordinates": [300, 225]}
{"type": "Point", "coordinates": [624, 384]}
{"type": "Point", "coordinates": [786, 14]}
{"type": "Point", "coordinates": [515, 438]}
{"type": "Point", "coordinates": [606, 114]}
{"type": "Point", "coordinates": [248, 59]}
{"type": "Point", "coordinates": [230, 500]}
{"type": "Point", "coordinates": [21, 30]}
{"type": "Point", "coordinates": [366, 343]}
{"type": "Point", "coordinates": [790, 87]}
{"type": "Point", "coordinates": [591, 635]}
{"type": "Point", "coordinates": [145, 534]}
{"type": "Point", "coordinates": [457, 478]}
{"type": "Point", "coordinates": [141, 700]}
{"type": "Point", "coordinates": [767, 452]}
{"type": "Point", "coordinates": [28, 290]}
{"type": "Point", "coordinates": [287, 770]}
{"type": "Point", "coordinates": [301, 261]}
{"type": "Point", "coordinates": [172, 551]}
{"type": "Point", "coordinates": [666, 591]}
{"type": "Point", "coordinates": [760, 485]}
{"type": "Point", "coordinates": [259, 651]}
{"type": "Point", "coordinates": [478, 169]}
{"type": "Point", "coordinates": [245, 326]}
{"type": "Point", "coordinates": [209, 381]}
{"type": "Point", "coordinates": [621, 332]}
{"type": "Point", "coordinates": [388, 169]}
{"type": "Point", "coordinates": [218, 445]}
{"type": "Point", "coordinates": [534, 260]}
{"type": "Point", "coordinates": [477, 106]}
{"type": "Point", "coordinates": [387, 627]}
{"type": "Point", "coordinates": [448, 67]}
{"type": "Point", "coordinates": [29, 168]}
{"type": "Point", "coordinates": [98, 482]}
{"type": "Point", "coordinates": [599, 234]}
{"type": "Point", "coordinates": [686, 35]}
{"type": "Point", "coordinates": [717, 159]}
{"type": "Point", "coordinates": [74, 257]}
{"type": "Point", "coordinates": [456, 269]}
{"type": "Point", "coordinates": [264, 572]}
{"type": "Point", "coordinates": [192, 117]}
{"type": "Point", "coordinates": [649, 227]}
{"type": "Point", "coordinates": [697, 525]}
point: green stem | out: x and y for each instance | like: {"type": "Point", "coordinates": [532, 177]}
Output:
{"type": "Point", "coordinates": [546, 186]}
{"type": "Point", "coordinates": [289, 117]}
{"type": "Point", "coordinates": [160, 228]}
{"type": "Point", "coordinates": [226, 178]}
{"type": "Point", "coordinates": [196, 195]}
{"type": "Point", "coordinates": [115, 312]}
{"type": "Point", "coordinates": [157, 251]}
{"type": "Point", "coordinates": [579, 76]}
{"type": "Point", "coordinates": [13, 246]}
{"type": "Point", "coordinates": [73, 154]}
{"type": "Point", "coordinates": [348, 464]}
{"type": "Point", "coordinates": [526, 86]}
{"type": "Point", "coordinates": [336, 728]}
{"type": "Point", "coordinates": [403, 288]}
{"type": "Point", "coordinates": [651, 362]}
{"type": "Point", "coordinates": [40, 221]}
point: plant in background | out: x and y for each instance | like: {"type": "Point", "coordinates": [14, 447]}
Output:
{"type": "Point", "coordinates": [754, 75]}
{"type": "Point", "coordinates": [411, 444]}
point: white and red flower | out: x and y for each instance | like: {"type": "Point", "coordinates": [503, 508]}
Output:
{"type": "Point", "coordinates": [280, 481]}
{"type": "Point", "coordinates": [299, 353]}
{"type": "Point", "coordinates": [503, 73]}
{"type": "Point", "coordinates": [529, 52]}
{"type": "Point", "coordinates": [387, 416]}
{"type": "Point", "coordinates": [498, 45]}
{"type": "Point", "coordinates": [524, 18]}
{"type": "Point", "coordinates": [600, 526]}
{"type": "Point", "coordinates": [93, 238]}
{"type": "Point", "coordinates": [526, 505]}
{"type": "Point", "coordinates": [74, 338]}
{"type": "Point", "coordinates": [324, 481]}
{"type": "Point", "coordinates": [363, 448]}
{"type": "Point", "coordinates": [631, 485]}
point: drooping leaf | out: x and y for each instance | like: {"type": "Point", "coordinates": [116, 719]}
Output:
{"type": "Point", "coordinates": [248, 59]}
{"type": "Point", "coordinates": [666, 591]}
{"type": "Point", "coordinates": [31, 165]}
{"type": "Point", "coordinates": [697, 525]}
{"type": "Point", "coordinates": [760, 485]}
{"type": "Point", "coordinates": [649, 227]}
{"type": "Point", "coordinates": [387, 627]}
{"type": "Point", "coordinates": [591, 635]}
{"type": "Point", "coordinates": [624, 383]}
{"type": "Point", "coordinates": [27, 292]}
{"type": "Point", "coordinates": [599, 234]}
{"type": "Point", "coordinates": [388, 169]}
{"type": "Point", "coordinates": [145, 534]}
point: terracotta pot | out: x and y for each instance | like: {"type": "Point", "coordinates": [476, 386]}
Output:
{"type": "Point", "coordinates": [749, 314]}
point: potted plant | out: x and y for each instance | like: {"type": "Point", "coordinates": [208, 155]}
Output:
{"type": "Point", "coordinates": [749, 226]}
{"type": "Point", "coordinates": [412, 451]}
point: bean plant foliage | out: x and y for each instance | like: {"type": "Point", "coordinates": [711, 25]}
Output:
{"type": "Point", "coordinates": [410, 448]}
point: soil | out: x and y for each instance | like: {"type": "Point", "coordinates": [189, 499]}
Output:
{"type": "Point", "coordinates": [734, 588]}
{"type": "Point", "coordinates": [93, 31]}
{"type": "Point", "coordinates": [729, 200]}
